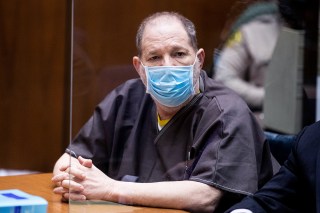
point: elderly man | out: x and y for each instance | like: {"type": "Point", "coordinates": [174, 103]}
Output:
{"type": "Point", "coordinates": [173, 138]}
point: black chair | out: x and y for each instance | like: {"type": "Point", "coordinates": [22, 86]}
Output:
{"type": "Point", "coordinates": [280, 145]}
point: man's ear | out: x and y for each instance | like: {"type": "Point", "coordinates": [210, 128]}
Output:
{"type": "Point", "coordinates": [201, 56]}
{"type": "Point", "coordinates": [140, 70]}
{"type": "Point", "coordinates": [137, 65]}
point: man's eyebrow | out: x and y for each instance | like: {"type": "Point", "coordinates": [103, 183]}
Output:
{"type": "Point", "coordinates": [152, 52]}
{"type": "Point", "coordinates": [179, 47]}
{"type": "Point", "coordinates": [173, 49]}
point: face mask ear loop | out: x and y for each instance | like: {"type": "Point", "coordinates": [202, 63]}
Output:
{"type": "Point", "coordinates": [194, 84]}
{"type": "Point", "coordinates": [147, 76]}
{"type": "Point", "coordinates": [144, 67]}
{"type": "Point", "coordinates": [196, 59]}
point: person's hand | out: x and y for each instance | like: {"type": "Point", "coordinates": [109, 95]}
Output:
{"type": "Point", "coordinates": [64, 176]}
{"type": "Point", "coordinates": [84, 182]}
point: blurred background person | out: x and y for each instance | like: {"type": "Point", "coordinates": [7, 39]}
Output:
{"type": "Point", "coordinates": [247, 50]}
{"type": "Point", "coordinates": [249, 39]}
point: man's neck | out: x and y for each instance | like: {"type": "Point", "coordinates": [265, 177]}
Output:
{"type": "Point", "coordinates": [167, 112]}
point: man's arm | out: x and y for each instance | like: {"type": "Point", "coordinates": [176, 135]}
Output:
{"type": "Point", "coordinates": [189, 195]}
{"type": "Point", "coordinates": [93, 184]}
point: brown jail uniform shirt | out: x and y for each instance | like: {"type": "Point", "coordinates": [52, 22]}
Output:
{"type": "Point", "coordinates": [214, 139]}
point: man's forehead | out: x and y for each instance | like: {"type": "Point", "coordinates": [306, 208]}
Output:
{"type": "Point", "coordinates": [162, 29]}
{"type": "Point", "coordinates": [164, 22]}
{"type": "Point", "coordinates": [160, 42]}
{"type": "Point", "coordinates": [156, 49]}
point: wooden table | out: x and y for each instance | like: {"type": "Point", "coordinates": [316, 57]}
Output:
{"type": "Point", "coordinates": [40, 185]}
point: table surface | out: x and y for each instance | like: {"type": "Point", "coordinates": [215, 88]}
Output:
{"type": "Point", "coordinates": [41, 185]}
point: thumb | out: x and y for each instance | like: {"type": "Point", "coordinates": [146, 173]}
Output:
{"type": "Point", "coordinates": [85, 162]}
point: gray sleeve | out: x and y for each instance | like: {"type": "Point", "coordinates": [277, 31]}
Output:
{"type": "Point", "coordinates": [236, 157]}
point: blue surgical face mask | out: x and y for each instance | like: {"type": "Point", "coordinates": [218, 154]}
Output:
{"type": "Point", "coordinates": [171, 86]}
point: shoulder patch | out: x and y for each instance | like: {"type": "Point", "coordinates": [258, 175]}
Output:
{"type": "Point", "coordinates": [235, 38]}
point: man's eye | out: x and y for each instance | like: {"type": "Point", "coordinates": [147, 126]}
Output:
{"type": "Point", "coordinates": [153, 58]}
{"type": "Point", "coordinates": [179, 54]}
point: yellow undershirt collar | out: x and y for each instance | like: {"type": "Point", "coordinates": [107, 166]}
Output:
{"type": "Point", "coordinates": [162, 123]}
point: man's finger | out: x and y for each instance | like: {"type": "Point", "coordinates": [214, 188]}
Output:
{"type": "Point", "coordinates": [72, 186]}
{"type": "Point", "coordinates": [77, 173]}
{"type": "Point", "coordinates": [60, 190]}
{"type": "Point", "coordinates": [74, 196]}
{"type": "Point", "coordinates": [60, 177]}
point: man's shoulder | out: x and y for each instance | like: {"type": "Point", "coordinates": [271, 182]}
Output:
{"type": "Point", "coordinates": [216, 90]}
{"type": "Point", "coordinates": [135, 83]}
{"type": "Point", "coordinates": [309, 138]}
{"type": "Point", "coordinates": [132, 90]}
{"type": "Point", "coordinates": [129, 87]}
